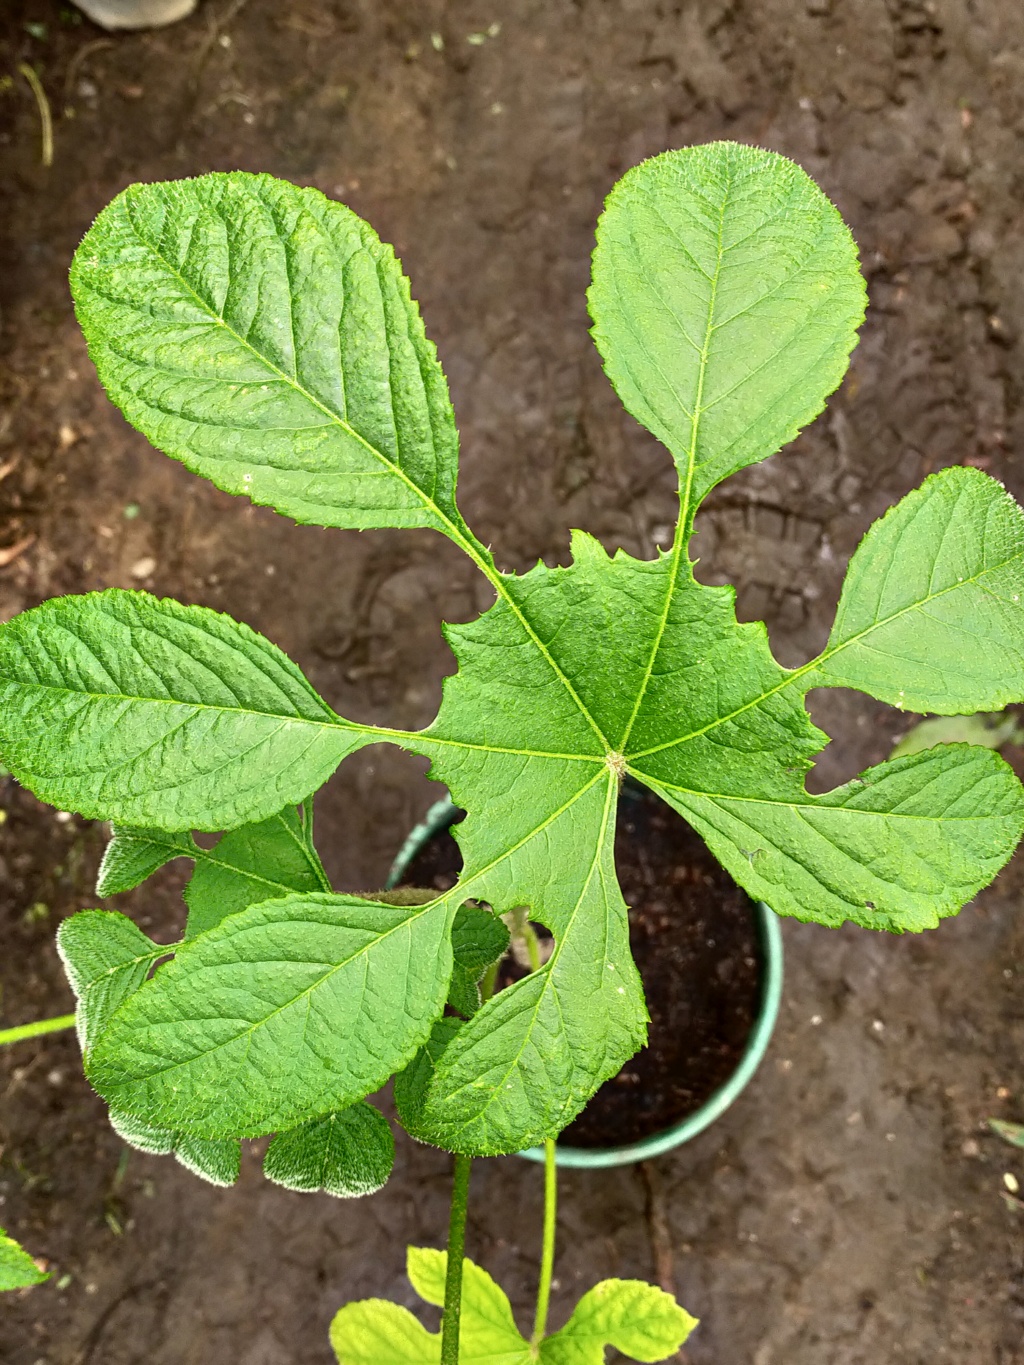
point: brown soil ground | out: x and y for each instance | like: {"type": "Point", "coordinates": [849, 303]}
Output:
{"type": "Point", "coordinates": [849, 1208]}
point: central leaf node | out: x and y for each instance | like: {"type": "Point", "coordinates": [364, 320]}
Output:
{"type": "Point", "coordinates": [617, 763]}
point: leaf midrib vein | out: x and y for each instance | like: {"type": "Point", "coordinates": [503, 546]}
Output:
{"type": "Point", "coordinates": [682, 524]}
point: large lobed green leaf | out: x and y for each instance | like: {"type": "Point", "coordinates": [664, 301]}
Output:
{"type": "Point", "coordinates": [726, 299]}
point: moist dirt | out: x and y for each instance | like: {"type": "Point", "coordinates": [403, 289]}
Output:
{"type": "Point", "coordinates": [850, 1207]}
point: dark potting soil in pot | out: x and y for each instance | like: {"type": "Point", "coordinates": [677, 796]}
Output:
{"type": "Point", "coordinates": [694, 939]}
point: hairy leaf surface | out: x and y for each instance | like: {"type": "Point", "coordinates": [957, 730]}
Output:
{"type": "Point", "coordinates": [413, 1084]}
{"type": "Point", "coordinates": [265, 337]}
{"type": "Point", "coordinates": [286, 1011]}
{"type": "Point", "coordinates": [479, 939]}
{"type": "Point", "coordinates": [128, 708]}
{"type": "Point", "coordinates": [217, 1161]}
{"type": "Point", "coordinates": [106, 958]}
{"type": "Point", "coordinates": [253, 863]}
{"type": "Point", "coordinates": [347, 1153]}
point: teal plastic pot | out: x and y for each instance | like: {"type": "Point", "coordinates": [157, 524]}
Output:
{"type": "Point", "coordinates": [439, 817]}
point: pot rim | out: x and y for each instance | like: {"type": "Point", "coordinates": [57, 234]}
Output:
{"type": "Point", "coordinates": [438, 817]}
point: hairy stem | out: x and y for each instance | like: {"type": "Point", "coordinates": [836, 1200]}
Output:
{"type": "Point", "coordinates": [518, 921]}
{"type": "Point", "coordinates": [36, 1030]}
{"type": "Point", "coordinates": [456, 1251]}
{"type": "Point", "coordinates": [547, 1259]}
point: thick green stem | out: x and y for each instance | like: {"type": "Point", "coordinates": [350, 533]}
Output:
{"type": "Point", "coordinates": [547, 1259]}
{"type": "Point", "coordinates": [36, 1030]}
{"type": "Point", "coordinates": [456, 1251]}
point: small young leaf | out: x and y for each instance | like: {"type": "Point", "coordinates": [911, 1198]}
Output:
{"type": "Point", "coordinates": [290, 1009]}
{"type": "Point", "coordinates": [931, 616]}
{"type": "Point", "coordinates": [642, 1322]}
{"type": "Point", "coordinates": [265, 337]}
{"type": "Point", "coordinates": [487, 1329]}
{"type": "Point", "coordinates": [726, 301]}
{"type": "Point", "coordinates": [255, 863]}
{"type": "Point", "coordinates": [374, 1332]}
{"type": "Point", "coordinates": [412, 1084]}
{"type": "Point", "coordinates": [1012, 1132]}
{"type": "Point", "coordinates": [217, 1161]}
{"type": "Point", "coordinates": [106, 959]}
{"type": "Point", "coordinates": [17, 1268]}
{"type": "Point", "coordinates": [133, 855]}
{"type": "Point", "coordinates": [479, 938]}
{"type": "Point", "coordinates": [128, 708]}
{"type": "Point", "coordinates": [347, 1153]}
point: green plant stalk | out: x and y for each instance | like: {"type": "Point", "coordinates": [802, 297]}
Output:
{"type": "Point", "coordinates": [532, 946]}
{"type": "Point", "coordinates": [37, 1029]}
{"type": "Point", "coordinates": [456, 1252]}
{"type": "Point", "coordinates": [547, 1260]}
{"type": "Point", "coordinates": [523, 930]}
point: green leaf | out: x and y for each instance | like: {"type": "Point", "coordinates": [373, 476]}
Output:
{"type": "Point", "coordinates": [635, 1318]}
{"type": "Point", "coordinates": [694, 705]}
{"type": "Point", "coordinates": [106, 959]}
{"type": "Point", "coordinates": [127, 708]}
{"type": "Point", "coordinates": [931, 617]}
{"type": "Point", "coordinates": [898, 848]}
{"type": "Point", "coordinates": [726, 300]}
{"type": "Point", "coordinates": [374, 1332]}
{"type": "Point", "coordinates": [265, 337]}
{"type": "Point", "coordinates": [487, 1329]}
{"type": "Point", "coordinates": [286, 1011]}
{"type": "Point", "coordinates": [17, 1268]}
{"type": "Point", "coordinates": [1012, 1132]}
{"type": "Point", "coordinates": [527, 1062]}
{"type": "Point", "coordinates": [479, 939]}
{"type": "Point", "coordinates": [412, 1084]}
{"type": "Point", "coordinates": [133, 855]}
{"type": "Point", "coordinates": [217, 1161]}
{"type": "Point", "coordinates": [254, 863]}
{"type": "Point", "coordinates": [642, 1322]}
{"type": "Point", "coordinates": [347, 1153]}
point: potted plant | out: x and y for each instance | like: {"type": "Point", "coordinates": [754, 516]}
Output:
{"type": "Point", "coordinates": [711, 963]}
{"type": "Point", "coordinates": [265, 337]}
